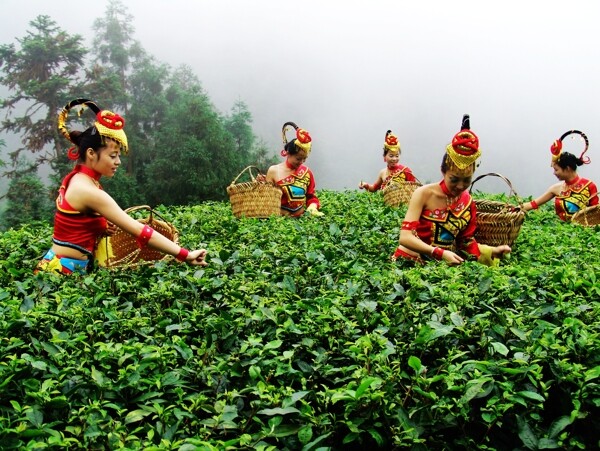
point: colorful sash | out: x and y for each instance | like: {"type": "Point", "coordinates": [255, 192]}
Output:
{"type": "Point", "coordinates": [62, 265]}
{"type": "Point", "coordinates": [400, 174]}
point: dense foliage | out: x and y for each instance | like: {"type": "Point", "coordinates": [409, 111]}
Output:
{"type": "Point", "coordinates": [174, 131]}
{"type": "Point", "coordinates": [302, 334]}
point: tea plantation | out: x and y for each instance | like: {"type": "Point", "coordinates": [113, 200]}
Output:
{"type": "Point", "coordinates": [303, 335]}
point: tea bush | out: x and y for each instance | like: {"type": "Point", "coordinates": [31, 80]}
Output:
{"type": "Point", "coordinates": [302, 334]}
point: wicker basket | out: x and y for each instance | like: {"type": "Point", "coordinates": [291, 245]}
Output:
{"type": "Point", "coordinates": [588, 217]}
{"type": "Point", "coordinates": [254, 199]}
{"type": "Point", "coordinates": [498, 222]}
{"type": "Point", "coordinates": [122, 248]}
{"type": "Point", "coordinates": [398, 193]}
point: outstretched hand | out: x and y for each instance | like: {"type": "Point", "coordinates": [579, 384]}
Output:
{"type": "Point", "coordinates": [501, 251]}
{"type": "Point", "coordinates": [196, 258]}
{"type": "Point", "coordinates": [312, 209]}
{"type": "Point", "coordinates": [451, 258]}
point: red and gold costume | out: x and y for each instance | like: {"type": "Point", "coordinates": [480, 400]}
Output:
{"type": "Point", "coordinates": [449, 228]}
{"type": "Point", "coordinates": [72, 228]}
{"type": "Point", "coordinates": [579, 193]}
{"type": "Point", "coordinates": [298, 192]}
{"type": "Point", "coordinates": [398, 173]}
{"type": "Point", "coordinates": [298, 188]}
{"type": "Point", "coordinates": [574, 196]}
{"type": "Point", "coordinates": [80, 231]}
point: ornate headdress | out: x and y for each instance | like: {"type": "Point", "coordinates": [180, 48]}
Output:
{"type": "Point", "coordinates": [108, 125]}
{"type": "Point", "coordinates": [391, 144]}
{"type": "Point", "coordinates": [556, 147]}
{"type": "Point", "coordinates": [464, 149]}
{"type": "Point", "coordinates": [302, 140]}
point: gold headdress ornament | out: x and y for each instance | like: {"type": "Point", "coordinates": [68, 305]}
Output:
{"type": "Point", "coordinates": [108, 124]}
{"type": "Point", "coordinates": [556, 147]}
{"type": "Point", "coordinates": [464, 149]}
{"type": "Point", "coordinates": [303, 139]}
{"type": "Point", "coordinates": [391, 144]}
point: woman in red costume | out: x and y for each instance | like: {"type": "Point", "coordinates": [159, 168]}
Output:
{"type": "Point", "coordinates": [572, 193]}
{"type": "Point", "coordinates": [440, 220]}
{"type": "Point", "coordinates": [85, 213]}
{"type": "Point", "coordinates": [394, 171]}
{"type": "Point", "coordinates": [296, 181]}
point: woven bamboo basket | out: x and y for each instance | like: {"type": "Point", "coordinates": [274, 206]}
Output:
{"type": "Point", "coordinates": [588, 217]}
{"type": "Point", "coordinates": [398, 193]}
{"type": "Point", "coordinates": [498, 222]}
{"type": "Point", "coordinates": [124, 248]}
{"type": "Point", "coordinates": [254, 199]}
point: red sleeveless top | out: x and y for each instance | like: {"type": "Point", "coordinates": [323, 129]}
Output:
{"type": "Point", "coordinates": [71, 227]}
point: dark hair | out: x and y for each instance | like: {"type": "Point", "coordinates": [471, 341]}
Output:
{"type": "Point", "coordinates": [444, 165]}
{"type": "Point", "coordinates": [89, 138]}
{"type": "Point", "coordinates": [291, 148]}
{"type": "Point", "coordinates": [568, 160]}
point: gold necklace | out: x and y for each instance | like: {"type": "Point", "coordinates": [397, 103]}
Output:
{"type": "Point", "coordinates": [450, 201]}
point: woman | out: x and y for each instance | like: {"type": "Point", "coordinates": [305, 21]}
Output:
{"type": "Point", "coordinates": [394, 171]}
{"type": "Point", "coordinates": [441, 216]}
{"type": "Point", "coordinates": [85, 213]}
{"type": "Point", "coordinates": [296, 181]}
{"type": "Point", "coordinates": [572, 193]}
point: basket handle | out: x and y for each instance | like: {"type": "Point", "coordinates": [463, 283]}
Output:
{"type": "Point", "coordinates": [395, 182]}
{"type": "Point", "coordinates": [249, 169]}
{"type": "Point", "coordinates": [138, 207]}
{"type": "Point", "coordinates": [145, 207]}
{"type": "Point", "coordinates": [495, 174]}
{"type": "Point", "coordinates": [417, 180]}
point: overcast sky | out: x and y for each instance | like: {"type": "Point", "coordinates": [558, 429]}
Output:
{"type": "Point", "coordinates": [348, 70]}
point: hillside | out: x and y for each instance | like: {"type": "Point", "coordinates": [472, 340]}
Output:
{"type": "Point", "coordinates": [302, 334]}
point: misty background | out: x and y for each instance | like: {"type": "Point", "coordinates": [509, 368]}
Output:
{"type": "Point", "coordinates": [525, 71]}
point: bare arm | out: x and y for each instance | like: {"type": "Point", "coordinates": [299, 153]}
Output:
{"type": "Point", "coordinates": [413, 242]}
{"type": "Point", "coordinates": [548, 195]}
{"type": "Point", "coordinates": [415, 207]}
{"type": "Point", "coordinates": [102, 203]}
{"type": "Point", "coordinates": [375, 186]}
{"type": "Point", "coordinates": [272, 174]}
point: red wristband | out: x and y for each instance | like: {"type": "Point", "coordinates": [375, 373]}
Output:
{"type": "Point", "coordinates": [534, 205]}
{"type": "Point", "coordinates": [144, 237]}
{"type": "Point", "coordinates": [183, 253]}
{"type": "Point", "coordinates": [437, 253]}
